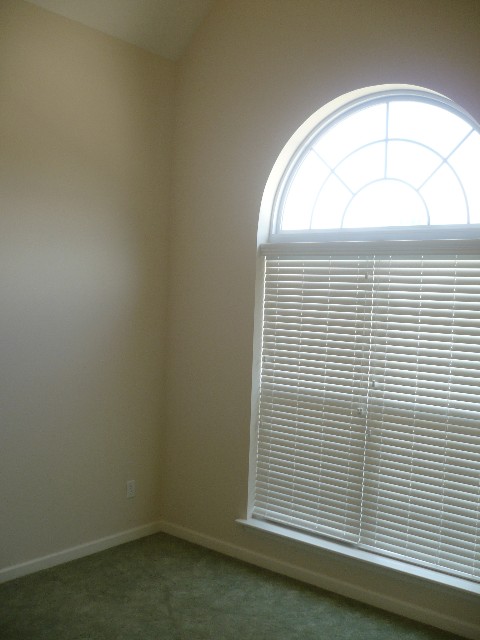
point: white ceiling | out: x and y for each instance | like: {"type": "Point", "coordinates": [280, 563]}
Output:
{"type": "Point", "coordinates": [161, 26]}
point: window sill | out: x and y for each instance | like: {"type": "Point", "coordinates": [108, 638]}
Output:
{"type": "Point", "coordinates": [364, 556]}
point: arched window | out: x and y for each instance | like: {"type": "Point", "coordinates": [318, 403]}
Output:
{"type": "Point", "coordinates": [393, 159]}
{"type": "Point", "coordinates": [366, 422]}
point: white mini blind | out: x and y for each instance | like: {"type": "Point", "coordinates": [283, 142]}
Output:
{"type": "Point", "coordinates": [369, 410]}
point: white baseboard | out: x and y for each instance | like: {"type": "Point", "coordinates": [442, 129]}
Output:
{"type": "Point", "coordinates": [53, 559]}
{"type": "Point", "coordinates": [435, 618]}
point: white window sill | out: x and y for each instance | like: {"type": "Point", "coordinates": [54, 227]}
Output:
{"type": "Point", "coordinates": [365, 556]}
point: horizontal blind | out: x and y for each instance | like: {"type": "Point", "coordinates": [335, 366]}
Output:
{"type": "Point", "coordinates": [311, 434]}
{"type": "Point", "coordinates": [369, 412]}
{"type": "Point", "coordinates": [421, 497]}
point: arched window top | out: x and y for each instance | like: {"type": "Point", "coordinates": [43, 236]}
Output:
{"type": "Point", "coordinates": [385, 159]}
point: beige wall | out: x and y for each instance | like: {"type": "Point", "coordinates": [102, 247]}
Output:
{"type": "Point", "coordinates": [85, 147]}
{"type": "Point", "coordinates": [255, 71]}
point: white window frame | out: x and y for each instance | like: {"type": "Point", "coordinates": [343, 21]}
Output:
{"type": "Point", "coordinates": [268, 235]}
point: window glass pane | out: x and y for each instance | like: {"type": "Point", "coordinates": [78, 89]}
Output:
{"type": "Point", "coordinates": [386, 203]}
{"type": "Point", "coordinates": [353, 131]}
{"type": "Point", "coordinates": [332, 202]}
{"type": "Point", "coordinates": [466, 162]}
{"type": "Point", "coordinates": [445, 198]}
{"type": "Point", "coordinates": [364, 166]}
{"type": "Point", "coordinates": [426, 123]}
{"type": "Point", "coordinates": [300, 199]}
{"type": "Point", "coordinates": [410, 141]}
{"type": "Point", "coordinates": [411, 162]}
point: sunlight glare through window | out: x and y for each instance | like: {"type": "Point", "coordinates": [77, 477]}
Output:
{"type": "Point", "coordinates": [396, 162]}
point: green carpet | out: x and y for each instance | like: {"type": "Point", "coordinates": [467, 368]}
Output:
{"type": "Point", "coordinates": [162, 588]}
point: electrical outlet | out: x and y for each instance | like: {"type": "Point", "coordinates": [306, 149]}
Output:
{"type": "Point", "coordinates": [130, 488]}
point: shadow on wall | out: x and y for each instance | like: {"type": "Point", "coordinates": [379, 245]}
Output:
{"type": "Point", "coordinates": [83, 177]}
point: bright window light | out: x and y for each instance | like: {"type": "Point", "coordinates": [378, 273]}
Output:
{"type": "Point", "coordinates": [396, 162]}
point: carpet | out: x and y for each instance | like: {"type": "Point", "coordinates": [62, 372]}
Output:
{"type": "Point", "coordinates": [163, 588]}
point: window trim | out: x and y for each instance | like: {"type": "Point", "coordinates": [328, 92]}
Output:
{"type": "Point", "coordinates": [384, 562]}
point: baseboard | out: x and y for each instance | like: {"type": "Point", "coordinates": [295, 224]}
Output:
{"type": "Point", "coordinates": [382, 601]}
{"type": "Point", "coordinates": [51, 560]}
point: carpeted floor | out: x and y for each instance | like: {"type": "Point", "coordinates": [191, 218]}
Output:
{"type": "Point", "coordinates": [162, 588]}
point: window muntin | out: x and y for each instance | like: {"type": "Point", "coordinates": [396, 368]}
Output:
{"type": "Point", "coordinates": [378, 361]}
{"type": "Point", "coordinates": [418, 152]}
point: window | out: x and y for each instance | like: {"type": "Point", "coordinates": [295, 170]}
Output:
{"type": "Point", "coordinates": [367, 397]}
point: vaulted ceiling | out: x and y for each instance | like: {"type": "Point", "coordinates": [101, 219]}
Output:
{"type": "Point", "coordinates": [161, 26]}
